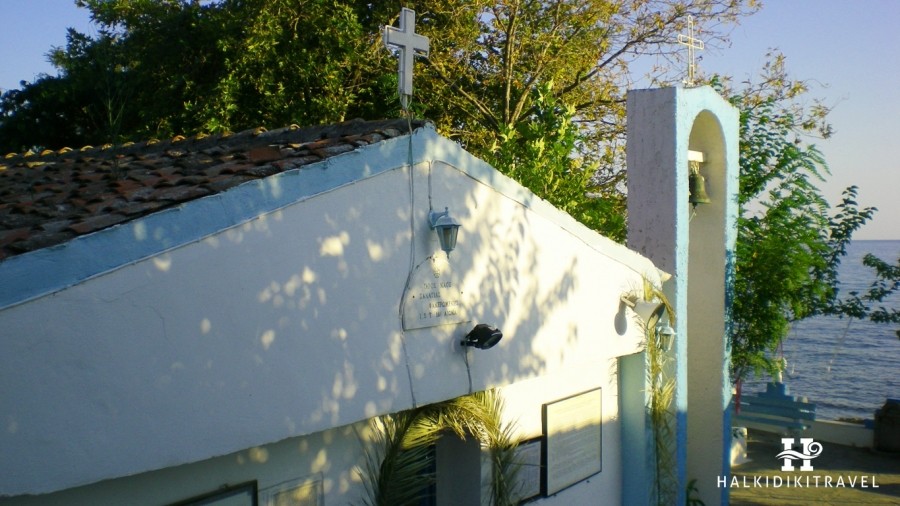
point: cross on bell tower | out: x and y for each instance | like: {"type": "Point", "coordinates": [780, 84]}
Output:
{"type": "Point", "coordinates": [692, 43]}
{"type": "Point", "coordinates": [410, 43]}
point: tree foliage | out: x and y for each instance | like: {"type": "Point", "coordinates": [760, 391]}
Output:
{"type": "Point", "coordinates": [541, 154]}
{"type": "Point", "coordinates": [535, 87]}
{"type": "Point", "coordinates": [867, 305]}
{"type": "Point", "coordinates": [164, 67]}
{"type": "Point", "coordinates": [491, 62]}
{"type": "Point", "coordinates": [790, 240]}
{"type": "Point", "coordinates": [496, 70]}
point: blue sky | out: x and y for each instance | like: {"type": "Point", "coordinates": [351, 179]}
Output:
{"type": "Point", "coordinates": [849, 46]}
{"type": "Point", "coordinates": [852, 48]}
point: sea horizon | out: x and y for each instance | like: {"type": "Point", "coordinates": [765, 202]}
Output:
{"type": "Point", "coordinates": [847, 367]}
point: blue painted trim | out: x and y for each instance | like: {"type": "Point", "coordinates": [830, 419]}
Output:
{"type": "Point", "coordinates": [638, 449]}
{"type": "Point", "coordinates": [31, 275]}
{"type": "Point", "coordinates": [681, 455]}
{"type": "Point", "coordinates": [726, 457]}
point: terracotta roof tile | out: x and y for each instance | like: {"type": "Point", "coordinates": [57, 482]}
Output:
{"type": "Point", "coordinates": [95, 222]}
{"type": "Point", "coordinates": [52, 197]}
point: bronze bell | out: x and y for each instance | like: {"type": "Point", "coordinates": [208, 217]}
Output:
{"type": "Point", "coordinates": [697, 187]}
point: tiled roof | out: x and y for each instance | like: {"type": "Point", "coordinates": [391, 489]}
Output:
{"type": "Point", "coordinates": [52, 197]}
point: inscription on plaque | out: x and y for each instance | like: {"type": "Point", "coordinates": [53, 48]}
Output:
{"type": "Point", "coordinates": [572, 440]}
{"type": "Point", "coordinates": [433, 297]}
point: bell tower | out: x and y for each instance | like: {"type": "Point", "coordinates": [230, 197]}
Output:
{"type": "Point", "coordinates": [682, 156]}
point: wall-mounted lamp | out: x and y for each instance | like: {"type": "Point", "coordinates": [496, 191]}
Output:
{"type": "Point", "coordinates": [649, 312]}
{"type": "Point", "coordinates": [483, 336]}
{"type": "Point", "coordinates": [665, 335]}
{"type": "Point", "coordinates": [696, 185]}
{"type": "Point", "coordinates": [446, 227]}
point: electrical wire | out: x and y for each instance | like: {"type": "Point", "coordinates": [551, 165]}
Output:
{"type": "Point", "coordinates": [468, 369]}
{"type": "Point", "coordinates": [412, 246]}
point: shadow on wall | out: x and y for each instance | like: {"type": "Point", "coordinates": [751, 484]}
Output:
{"type": "Point", "coordinates": [289, 324]}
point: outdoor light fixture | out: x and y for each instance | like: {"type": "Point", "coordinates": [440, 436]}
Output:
{"type": "Point", "coordinates": [483, 336]}
{"type": "Point", "coordinates": [665, 335]}
{"type": "Point", "coordinates": [446, 227]}
{"type": "Point", "coordinates": [649, 312]}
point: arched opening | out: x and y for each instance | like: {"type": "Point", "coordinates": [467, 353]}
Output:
{"type": "Point", "coordinates": [706, 306]}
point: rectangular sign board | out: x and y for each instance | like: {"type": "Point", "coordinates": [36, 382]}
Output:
{"type": "Point", "coordinates": [572, 440]}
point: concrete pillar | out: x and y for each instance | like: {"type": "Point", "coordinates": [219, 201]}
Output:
{"type": "Point", "coordinates": [458, 476]}
{"type": "Point", "coordinates": [696, 246]}
{"type": "Point", "coordinates": [637, 442]}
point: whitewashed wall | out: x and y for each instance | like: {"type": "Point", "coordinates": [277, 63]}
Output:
{"type": "Point", "coordinates": [695, 245]}
{"type": "Point", "coordinates": [335, 457]}
{"type": "Point", "coordinates": [288, 324]}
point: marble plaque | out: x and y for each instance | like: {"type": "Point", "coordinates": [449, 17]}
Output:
{"type": "Point", "coordinates": [572, 440]}
{"type": "Point", "coordinates": [433, 296]}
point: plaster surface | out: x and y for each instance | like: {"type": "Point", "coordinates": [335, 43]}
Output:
{"type": "Point", "coordinates": [696, 245]}
{"type": "Point", "coordinates": [283, 320]}
{"type": "Point", "coordinates": [331, 461]}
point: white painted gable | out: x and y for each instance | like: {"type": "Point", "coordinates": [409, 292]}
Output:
{"type": "Point", "coordinates": [286, 320]}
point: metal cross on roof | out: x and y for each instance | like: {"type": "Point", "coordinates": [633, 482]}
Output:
{"type": "Point", "coordinates": [692, 43]}
{"type": "Point", "coordinates": [410, 43]}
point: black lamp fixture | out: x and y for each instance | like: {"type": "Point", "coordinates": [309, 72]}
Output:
{"type": "Point", "coordinates": [483, 337]}
{"type": "Point", "coordinates": [446, 227]}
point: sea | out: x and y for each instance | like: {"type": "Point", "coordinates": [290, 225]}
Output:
{"type": "Point", "coordinates": [847, 367]}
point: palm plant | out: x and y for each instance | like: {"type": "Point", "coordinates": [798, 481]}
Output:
{"type": "Point", "coordinates": [400, 464]}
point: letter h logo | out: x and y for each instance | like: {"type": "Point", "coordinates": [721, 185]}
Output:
{"type": "Point", "coordinates": [811, 450]}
